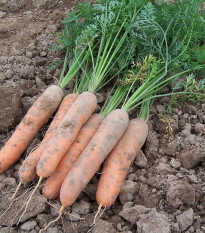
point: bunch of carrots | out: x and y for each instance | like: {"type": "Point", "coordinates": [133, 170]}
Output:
{"type": "Point", "coordinates": [119, 43]}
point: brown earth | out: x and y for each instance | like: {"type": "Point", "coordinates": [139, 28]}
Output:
{"type": "Point", "coordinates": [164, 190]}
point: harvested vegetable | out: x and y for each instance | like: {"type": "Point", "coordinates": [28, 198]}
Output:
{"type": "Point", "coordinates": [66, 133]}
{"type": "Point", "coordinates": [119, 160]}
{"type": "Point", "coordinates": [141, 84]}
{"type": "Point", "coordinates": [27, 171]}
{"type": "Point", "coordinates": [109, 132]}
{"type": "Point", "coordinates": [52, 185]}
{"type": "Point", "coordinates": [36, 117]}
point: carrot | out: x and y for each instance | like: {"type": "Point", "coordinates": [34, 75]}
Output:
{"type": "Point", "coordinates": [35, 118]}
{"type": "Point", "coordinates": [119, 160]}
{"type": "Point", "coordinates": [52, 185]}
{"type": "Point", "coordinates": [27, 171]}
{"type": "Point", "coordinates": [66, 133]}
{"type": "Point", "coordinates": [109, 132]}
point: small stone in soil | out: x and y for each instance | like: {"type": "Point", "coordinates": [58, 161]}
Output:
{"type": "Point", "coordinates": [140, 160]}
{"type": "Point", "coordinates": [175, 163]}
{"type": "Point", "coordinates": [193, 178]}
{"type": "Point", "coordinates": [185, 219]}
{"type": "Point", "coordinates": [27, 226]}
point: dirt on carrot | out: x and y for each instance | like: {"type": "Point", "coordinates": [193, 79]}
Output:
{"type": "Point", "coordinates": [27, 171]}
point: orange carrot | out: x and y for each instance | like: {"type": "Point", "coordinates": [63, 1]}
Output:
{"type": "Point", "coordinates": [27, 171]}
{"type": "Point", "coordinates": [119, 160]}
{"type": "Point", "coordinates": [66, 133]}
{"type": "Point", "coordinates": [52, 185]}
{"type": "Point", "coordinates": [109, 132]}
{"type": "Point", "coordinates": [36, 117]}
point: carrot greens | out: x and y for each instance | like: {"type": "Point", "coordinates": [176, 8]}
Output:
{"type": "Point", "coordinates": [161, 44]}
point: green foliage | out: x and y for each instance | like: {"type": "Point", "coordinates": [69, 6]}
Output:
{"type": "Point", "coordinates": [191, 89]}
{"type": "Point", "coordinates": [187, 29]}
{"type": "Point", "coordinates": [137, 42]}
{"type": "Point", "coordinates": [53, 64]}
{"type": "Point", "coordinates": [200, 54]}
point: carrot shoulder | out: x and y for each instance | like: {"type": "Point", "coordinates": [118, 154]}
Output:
{"type": "Point", "coordinates": [118, 162]}
{"type": "Point", "coordinates": [109, 132]}
{"type": "Point", "coordinates": [66, 133]}
{"type": "Point", "coordinates": [27, 171]}
{"type": "Point", "coordinates": [52, 185]}
{"type": "Point", "coordinates": [35, 118]}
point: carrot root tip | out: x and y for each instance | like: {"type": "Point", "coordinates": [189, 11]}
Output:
{"type": "Point", "coordinates": [97, 214]}
{"type": "Point", "coordinates": [17, 189]}
{"type": "Point", "coordinates": [29, 200]}
{"type": "Point", "coordinates": [55, 220]}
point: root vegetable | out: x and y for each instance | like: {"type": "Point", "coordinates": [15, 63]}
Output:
{"type": "Point", "coordinates": [27, 171]}
{"type": "Point", "coordinates": [118, 162]}
{"type": "Point", "coordinates": [35, 118]}
{"type": "Point", "coordinates": [66, 133]}
{"type": "Point", "coordinates": [109, 132]}
{"type": "Point", "coordinates": [52, 185]}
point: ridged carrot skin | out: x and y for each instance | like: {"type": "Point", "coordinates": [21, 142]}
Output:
{"type": "Point", "coordinates": [52, 185]}
{"type": "Point", "coordinates": [119, 160]}
{"type": "Point", "coordinates": [27, 171]}
{"type": "Point", "coordinates": [66, 133]}
{"type": "Point", "coordinates": [106, 137]}
{"type": "Point", "coordinates": [35, 118]}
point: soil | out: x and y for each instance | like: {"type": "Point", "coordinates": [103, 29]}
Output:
{"type": "Point", "coordinates": [164, 190]}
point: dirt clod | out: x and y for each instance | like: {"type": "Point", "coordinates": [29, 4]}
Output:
{"type": "Point", "coordinates": [132, 212]}
{"type": "Point", "coordinates": [27, 226]}
{"type": "Point", "coordinates": [153, 222]}
{"type": "Point", "coordinates": [10, 105]}
{"type": "Point", "coordinates": [185, 219]}
{"type": "Point", "coordinates": [128, 191]}
{"type": "Point", "coordinates": [140, 160]}
{"type": "Point", "coordinates": [103, 227]}
{"type": "Point", "coordinates": [180, 192]}
{"type": "Point", "coordinates": [190, 158]}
